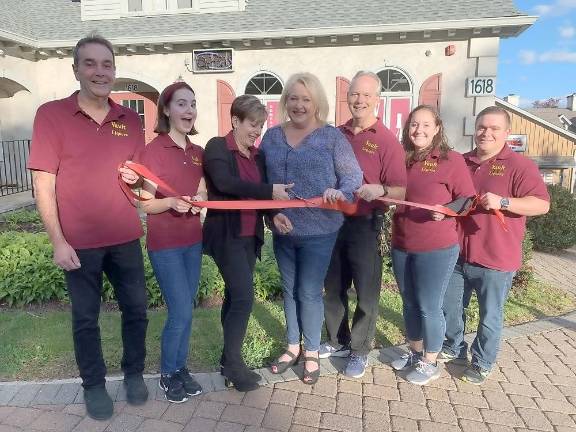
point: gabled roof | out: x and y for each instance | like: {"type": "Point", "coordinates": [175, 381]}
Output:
{"type": "Point", "coordinates": [552, 115]}
{"type": "Point", "coordinates": [59, 20]}
{"type": "Point", "coordinates": [525, 113]}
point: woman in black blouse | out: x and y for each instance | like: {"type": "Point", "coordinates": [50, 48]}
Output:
{"type": "Point", "coordinates": [234, 170]}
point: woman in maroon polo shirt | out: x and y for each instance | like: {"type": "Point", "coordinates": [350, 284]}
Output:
{"type": "Point", "coordinates": [425, 245]}
{"type": "Point", "coordinates": [234, 170]}
{"type": "Point", "coordinates": [174, 232]}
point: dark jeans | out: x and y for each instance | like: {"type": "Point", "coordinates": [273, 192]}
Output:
{"type": "Point", "coordinates": [422, 278]}
{"type": "Point", "coordinates": [356, 259]}
{"type": "Point", "coordinates": [178, 273]}
{"type": "Point", "coordinates": [303, 262]}
{"type": "Point", "coordinates": [125, 269]}
{"type": "Point", "coordinates": [491, 287]}
{"type": "Point", "coordinates": [236, 260]}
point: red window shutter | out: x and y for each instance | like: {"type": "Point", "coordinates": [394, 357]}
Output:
{"type": "Point", "coordinates": [430, 92]}
{"type": "Point", "coordinates": [342, 111]}
{"type": "Point", "coordinates": [224, 98]}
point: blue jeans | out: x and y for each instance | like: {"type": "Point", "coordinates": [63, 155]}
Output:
{"type": "Point", "coordinates": [303, 262]}
{"type": "Point", "coordinates": [422, 278]}
{"type": "Point", "coordinates": [178, 273]}
{"type": "Point", "coordinates": [491, 287]}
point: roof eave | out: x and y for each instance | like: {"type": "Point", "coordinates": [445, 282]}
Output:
{"type": "Point", "coordinates": [568, 134]}
{"type": "Point", "coordinates": [517, 23]}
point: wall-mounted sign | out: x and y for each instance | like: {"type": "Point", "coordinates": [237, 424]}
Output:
{"type": "Point", "coordinates": [517, 142]}
{"type": "Point", "coordinates": [481, 86]}
{"type": "Point", "coordinates": [132, 87]}
{"type": "Point", "coordinates": [213, 60]}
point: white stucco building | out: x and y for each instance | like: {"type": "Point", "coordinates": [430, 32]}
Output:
{"type": "Point", "coordinates": [441, 52]}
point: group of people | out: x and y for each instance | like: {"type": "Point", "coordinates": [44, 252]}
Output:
{"type": "Point", "coordinates": [79, 142]}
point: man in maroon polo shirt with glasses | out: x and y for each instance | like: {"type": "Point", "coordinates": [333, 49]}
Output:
{"type": "Point", "coordinates": [77, 144]}
{"type": "Point", "coordinates": [490, 255]}
{"type": "Point", "coordinates": [356, 256]}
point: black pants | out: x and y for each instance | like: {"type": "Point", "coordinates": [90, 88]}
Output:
{"type": "Point", "coordinates": [124, 267]}
{"type": "Point", "coordinates": [355, 259]}
{"type": "Point", "coordinates": [236, 260]}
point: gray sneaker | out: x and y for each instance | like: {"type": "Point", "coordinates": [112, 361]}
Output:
{"type": "Point", "coordinates": [423, 373]}
{"type": "Point", "coordinates": [356, 366]}
{"type": "Point", "coordinates": [475, 375]}
{"type": "Point", "coordinates": [328, 350]}
{"type": "Point", "coordinates": [445, 357]}
{"type": "Point", "coordinates": [406, 361]}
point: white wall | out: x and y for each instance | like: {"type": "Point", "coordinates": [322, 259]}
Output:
{"type": "Point", "coordinates": [51, 79]}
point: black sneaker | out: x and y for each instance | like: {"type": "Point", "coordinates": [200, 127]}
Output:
{"type": "Point", "coordinates": [173, 388]}
{"type": "Point", "coordinates": [475, 375]}
{"type": "Point", "coordinates": [99, 405]}
{"type": "Point", "coordinates": [136, 390]}
{"type": "Point", "coordinates": [191, 386]}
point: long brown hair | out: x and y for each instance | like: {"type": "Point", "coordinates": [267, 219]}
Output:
{"type": "Point", "coordinates": [162, 120]}
{"type": "Point", "coordinates": [439, 141]}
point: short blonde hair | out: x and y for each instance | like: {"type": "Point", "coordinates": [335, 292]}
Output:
{"type": "Point", "coordinates": [317, 93]}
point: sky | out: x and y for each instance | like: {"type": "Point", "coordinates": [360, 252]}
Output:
{"type": "Point", "coordinates": [541, 62]}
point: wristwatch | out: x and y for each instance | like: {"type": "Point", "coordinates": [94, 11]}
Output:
{"type": "Point", "coordinates": [504, 203]}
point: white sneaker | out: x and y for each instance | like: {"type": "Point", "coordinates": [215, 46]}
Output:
{"type": "Point", "coordinates": [328, 350]}
{"type": "Point", "coordinates": [407, 360]}
{"type": "Point", "coordinates": [423, 373]}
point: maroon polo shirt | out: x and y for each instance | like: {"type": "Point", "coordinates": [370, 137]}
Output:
{"type": "Point", "coordinates": [431, 181]}
{"type": "Point", "coordinates": [483, 241]}
{"type": "Point", "coordinates": [181, 169]}
{"type": "Point", "coordinates": [380, 156]}
{"type": "Point", "coordinates": [248, 171]}
{"type": "Point", "coordinates": [92, 208]}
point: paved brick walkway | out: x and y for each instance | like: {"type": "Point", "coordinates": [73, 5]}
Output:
{"type": "Point", "coordinates": [533, 387]}
{"type": "Point", "coordinates": [558, 269]}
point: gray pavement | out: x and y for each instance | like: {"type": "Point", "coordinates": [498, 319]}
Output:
{"type": "Point", "coordinates": [532, 388]}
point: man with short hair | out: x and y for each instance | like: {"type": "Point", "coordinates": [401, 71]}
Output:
{"type": "Point", "coordinates": [490, 255]}
{"type": "Point", "coordinates": [356, 256]}
{"type": "Point", "coordinates": [77, 145]}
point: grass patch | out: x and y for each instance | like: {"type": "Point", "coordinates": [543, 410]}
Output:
{"type": "Point", "coordinates": [39, 345]}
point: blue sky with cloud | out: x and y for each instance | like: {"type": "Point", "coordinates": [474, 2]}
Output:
{"type": "Point", "coordinates": [541, 62]}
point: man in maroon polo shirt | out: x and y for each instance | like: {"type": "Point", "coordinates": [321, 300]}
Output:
{"type": "Point", "coordinates": [77, 144]}
{"type": "Point", "coordinates": [356, 256]}
{"type": "Point", "coordinates": [489, 255]}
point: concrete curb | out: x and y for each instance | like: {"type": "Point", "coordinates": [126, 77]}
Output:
{"type": "Point", "coordinates": [67, 391]}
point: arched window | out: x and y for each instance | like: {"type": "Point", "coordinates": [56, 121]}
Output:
{"type": "Point", "coordinates": [394, 81]}
{"type": "Point", "coordinates": [264, 84]}
{"type": "Point", "coordinates": [395, 99]}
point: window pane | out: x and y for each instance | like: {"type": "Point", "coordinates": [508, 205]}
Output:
{"type": "Point", "coordinates": [134, 5]}
{"type": "Point", "coordinates": [184, 4]}
{"type": "Point", "coordinates": [263, 84]}
{"type": "Point", "coordinates": [140, 109]}
{"type": "Point", "coordinates": [394, 81]}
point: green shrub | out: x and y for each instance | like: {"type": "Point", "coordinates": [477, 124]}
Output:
{"type": "Point", "coordinates": [28, 275]}
{"type": "Point", "coordinates": [19, 220]}
{"type": "Point", "coordinates": [525, 275]}
{"type": "Point", "coordinates": [557, 229]}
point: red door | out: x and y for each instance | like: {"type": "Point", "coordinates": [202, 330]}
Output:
{"type": "Point", "coordinates": [430, 92]}
{"type": "Point", "coordinates": [145, 106]}
{"type": "Point", "coordinates": [342, 110]}
{"type": "Point", "coordinates": [399, 110]}
{"type": "Point", "coordinates": [224, 98]}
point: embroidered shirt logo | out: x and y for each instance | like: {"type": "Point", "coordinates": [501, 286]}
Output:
{"type": "Point", "coordinates": [497, 170]}
{"type": "Point", "coordinates": [429, 166]}
{"type": "Point", "coordinates": [119, 129]}
{"type": "Point", "coordinates": [369, 147]}
{"type": "Point", "coordinates": [196, 160]}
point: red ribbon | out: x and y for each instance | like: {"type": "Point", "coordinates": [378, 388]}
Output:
{"type": "Point", "coordinates": [345, 207]}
